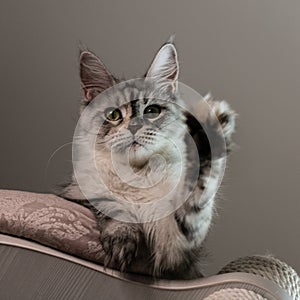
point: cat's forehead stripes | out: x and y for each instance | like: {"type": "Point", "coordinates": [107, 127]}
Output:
{"type": "Point", "coordinates": [143, 91]}
{"type": "Point", "coordinates": [135, 108]}
{"type": "Point", "coordinates": [145, 101]}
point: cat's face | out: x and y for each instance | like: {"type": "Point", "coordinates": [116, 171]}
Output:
{"type": "Point", "coordinates": [140, 128]}
{"type": "Point", "coordinates": [140, 117]}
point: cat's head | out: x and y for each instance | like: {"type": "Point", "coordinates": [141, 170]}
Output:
{"type": "Point", "coordinates": [139, 117]}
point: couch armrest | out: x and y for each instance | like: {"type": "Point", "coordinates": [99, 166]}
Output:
{"type": "Point", "coordinates": [32, 271]}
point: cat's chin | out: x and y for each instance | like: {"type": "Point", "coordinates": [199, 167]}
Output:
{"type": "Point", "coordinates": [138, 155]}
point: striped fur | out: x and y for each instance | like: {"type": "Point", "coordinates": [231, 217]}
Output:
{"type": "Point", "coordinates": [174, 242]}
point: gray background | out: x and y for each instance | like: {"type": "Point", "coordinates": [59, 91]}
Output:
{"type": "Point", "coordinates": [244, 51]}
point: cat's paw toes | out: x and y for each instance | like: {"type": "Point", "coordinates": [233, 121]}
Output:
{"type": "Point", "coordinates": [225, 115]}
{"type": "Point", "coordinates": [120, 248]}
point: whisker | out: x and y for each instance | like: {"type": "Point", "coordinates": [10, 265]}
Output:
{"type": "Point", "coordinates": [50, 158]}
{"type": "Point", "coordinates": [119, 143]}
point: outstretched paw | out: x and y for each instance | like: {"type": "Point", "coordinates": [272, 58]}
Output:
{"type": "Point", "coordinates": [120, 245]}
{"type": "Point", "coordinates": [225, 115]}
{"type": "Point", "coordinates": [222, 118]}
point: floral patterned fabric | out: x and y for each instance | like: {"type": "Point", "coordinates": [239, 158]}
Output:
{"type": "Point", "coordinates": [52, 221]}
{"type": "Point", "coordinates": [58, 223]}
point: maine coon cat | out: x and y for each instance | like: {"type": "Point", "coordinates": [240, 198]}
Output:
{"type": "Point", "coordinates": [141, 120]}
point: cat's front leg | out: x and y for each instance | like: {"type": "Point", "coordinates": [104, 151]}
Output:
{"type": "Point", "coordinates": [194, 217]}
{"type": "Point", "coordinates": [120, 242]}
{"type": "Point", "coordinates": [175, 241]}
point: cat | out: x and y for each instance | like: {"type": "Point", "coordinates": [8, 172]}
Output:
{"type": "Point", "coordinates": [141, 126]}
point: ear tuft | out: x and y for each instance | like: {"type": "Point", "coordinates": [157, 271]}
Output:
{"type": "Point", "coordinates": [171, 39]}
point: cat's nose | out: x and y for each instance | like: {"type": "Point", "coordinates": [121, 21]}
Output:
{"type": "Point", "coordinates": [135, 125]}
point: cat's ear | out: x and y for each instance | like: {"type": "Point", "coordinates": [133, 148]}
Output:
{"type": "Point", "coordinates": [95, 78]}
{"type": "Point", "coordinates": [165, 65]}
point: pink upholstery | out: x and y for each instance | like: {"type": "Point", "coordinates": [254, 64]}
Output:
{"type": "Point", "coordinates": [52, 221]}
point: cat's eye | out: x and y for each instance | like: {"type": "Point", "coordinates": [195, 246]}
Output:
{"type": "Point", "coordinates": [113, 114]}
{"type": "Point", "coordinates": [152, 111]}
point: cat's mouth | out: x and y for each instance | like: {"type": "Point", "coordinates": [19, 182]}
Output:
{"type": "Point", "coordinates": [135, 145]}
